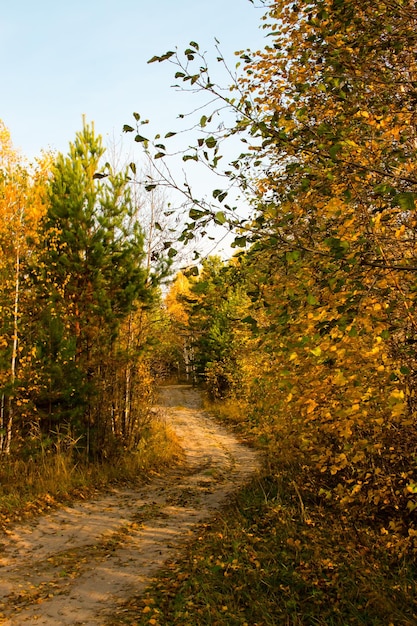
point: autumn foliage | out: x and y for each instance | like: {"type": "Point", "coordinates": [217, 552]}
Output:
{"type": "Point", "coordinates": [308, 331]}
{"type": "Point", "coordinates": [74, 286]}
{"type": "Point", "coordinates": [327, 375]}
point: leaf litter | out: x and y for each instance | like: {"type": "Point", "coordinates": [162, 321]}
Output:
{"type": "Point", "coordinates": [78, 564]}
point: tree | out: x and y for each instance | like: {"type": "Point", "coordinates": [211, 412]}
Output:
{"type": "Point", "coordinates": [332, 105]}
{"type": "Point", "coordinates": [210, 311]}
{"type": "Point", "coordinates": [21, 208]}
{"type": "Point", "coordinates": [89, 275]}
{"type": "Point", "coordinates": [327, 113]}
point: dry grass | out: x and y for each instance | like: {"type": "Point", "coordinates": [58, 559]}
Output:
{"type": "Point", "coordinates": [263, 561]}
{"type": "Point", "coordinates": [279, 555]}
{"type": "Point", "coordinates": [52, 476]}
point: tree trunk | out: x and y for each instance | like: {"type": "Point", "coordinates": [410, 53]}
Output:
{"type": "Point", "coordinates": [10, 414]}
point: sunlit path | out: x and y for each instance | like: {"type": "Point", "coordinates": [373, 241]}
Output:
{"type": "Point", "coordinates": [76, 565]}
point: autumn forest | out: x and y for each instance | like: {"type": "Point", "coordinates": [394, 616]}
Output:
{"type": "Point", "coordinates": [303, 340]}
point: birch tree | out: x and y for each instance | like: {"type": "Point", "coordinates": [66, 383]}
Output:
{"type": "Point", "coordinates": [21, 208]}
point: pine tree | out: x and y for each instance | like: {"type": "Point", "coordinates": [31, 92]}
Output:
{"type": "Point", "coordinates": [89, 275]}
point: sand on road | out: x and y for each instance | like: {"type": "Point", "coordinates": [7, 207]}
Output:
{"type": "Point", "coordinates": [78, 564]}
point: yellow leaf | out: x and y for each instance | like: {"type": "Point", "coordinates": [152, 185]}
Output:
{"type": "Point", "coordinates": [311, 405]}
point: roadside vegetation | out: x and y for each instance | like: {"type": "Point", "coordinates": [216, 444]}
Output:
{"type": "Point", "coordinates": [304, 340]}
{"type": "Point", "coordinates": [314, 563]}
{"type": "Point", "coordinates": [52, 477]}
{"type": "Point", "coordinates": [278, 554]}
{"type": "Point", "coordinates": [80, 306]}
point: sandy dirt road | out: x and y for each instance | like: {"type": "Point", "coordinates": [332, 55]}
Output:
{"type": "Point", "coordinates": [79, 564]}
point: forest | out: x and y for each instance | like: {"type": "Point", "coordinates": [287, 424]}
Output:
{"type": "Point", "coordinates": [303, 340]}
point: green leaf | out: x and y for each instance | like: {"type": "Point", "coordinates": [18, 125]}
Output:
{"type": "Point", "coordinates": [159, 155]}
{"type": "Point", "coordinates": [195, 45]}
{"type": "Point", "coordinates": [292, 255]}
{"type": "Point", "coordinates": [203, 121]}
{"type": "Point", "coordinates": [219, 194]}
{"type": "Point", "coordinates": [158, 226]}
{"type": "Point", "coordinates": [250, 320]}
{"type": "Point", "coordinates": [172, 252]}
{"type": "Point", "coordinates": [150, 187]}
{"type": "Point", "coordinates": [384, 188]}
{"type": "Point", "coordinates": [337, 246]}
{"type": "Point", "coordinates": [164, 57]}
{"type": "Point", "coordinates": [170, 134]}
{"type": "Point", "coordinates": [220, 217]}
{"type": "Point", "coordinates": [127, 128]}
{"type": "Point", "coordinates": [211, 142]}
{"type": "Point", "coordinates": [196, 214]}
{"type": "Point", "coordinates": [406, 201]}
{"type": "Point", "coordinates": [133, 167]}
{"type": "Point", "coordinates": [140, 138]}
{"type": "Point", "coordinates": [136, 116]}
{"type": "Point", "coordinates": [192, 271]}
{"type": "Point", "coordinates": [201, 287]}
{"type": "Point", "coordinates": [334, 150]}
{"type": "Point", "coordinates": [239, 242]}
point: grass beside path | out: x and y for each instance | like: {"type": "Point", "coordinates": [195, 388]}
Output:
{"type": "Point", "coordinates": [272, 558]}
{"type": "Point", "coordinates": [262, 562]}
{"type": "Point", "coordinates": [36, 485]}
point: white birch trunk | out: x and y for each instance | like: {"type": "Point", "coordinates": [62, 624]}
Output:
{"type": "Point", "coordinates": [2, 432]}
{"type": "Point", "coordinates": [10, 416]}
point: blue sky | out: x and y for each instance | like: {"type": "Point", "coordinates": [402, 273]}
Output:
{"type": "Point", "coordinates": [64, 59]}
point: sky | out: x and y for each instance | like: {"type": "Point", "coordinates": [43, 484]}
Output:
{"type": "Point", "coordinates": [63, 60]}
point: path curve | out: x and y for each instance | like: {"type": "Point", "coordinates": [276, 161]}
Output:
{"type": "Point", "coordinates": [77, 565]}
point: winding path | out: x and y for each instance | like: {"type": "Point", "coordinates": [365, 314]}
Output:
{"type": "Point", "coordinates": [76, 565]}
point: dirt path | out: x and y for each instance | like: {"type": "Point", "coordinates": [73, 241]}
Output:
{"type": "Point", "coordinates": [78, 564]}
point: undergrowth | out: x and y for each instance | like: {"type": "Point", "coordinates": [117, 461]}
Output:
{"type": "Point", "coordinates": [32, 486]}
{"type": "Point", "coordinates": [276, 556]}
{"type": "Point", "coordinates": [265, 560]}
